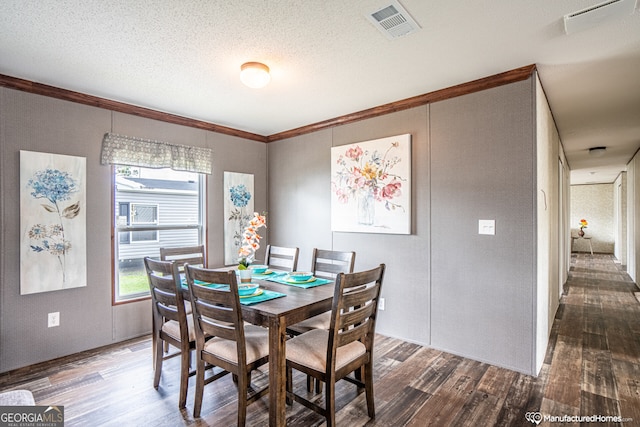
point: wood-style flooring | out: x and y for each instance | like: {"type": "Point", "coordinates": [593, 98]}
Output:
{"type": "Point", "coordinates": [592, 367]}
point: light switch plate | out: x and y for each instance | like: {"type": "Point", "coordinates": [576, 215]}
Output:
{"type": "Point", "coordinates": [487, 226]}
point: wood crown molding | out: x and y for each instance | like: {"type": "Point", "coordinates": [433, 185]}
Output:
{"type": "Point", "coordinates": [507, 77]}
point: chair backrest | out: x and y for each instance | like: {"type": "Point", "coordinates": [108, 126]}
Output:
{"type": "Point", "coordinates": [216, 311]}
{"type": "Point", "coordinates": [281, 258]}
{"type": "Point", "coordinates": [193, 255]}
{"type": "Point", "coordinates": [329, 264]}
{"type": "Point", "coordinates": [354, 311]}
{"type": "Point", "coordinates": [166, 292]}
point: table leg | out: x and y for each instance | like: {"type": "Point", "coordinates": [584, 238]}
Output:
{"type": "Point", "coordinates": [277, 373]}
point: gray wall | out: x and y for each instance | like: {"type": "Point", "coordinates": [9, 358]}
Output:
{"type": "Point", "coordinates": [483, 167]}
{"type": "Point", "coordinates": [87, 317]}
{"type": "Point", "coordinates": [473, 158]}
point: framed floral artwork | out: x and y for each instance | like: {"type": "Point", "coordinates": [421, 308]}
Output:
{"type": "Point", "coordinates": [53, 247]}
{"type": "Point", "coordinates": [238, 211]}
{"type": "Point", "coordinates": [371, 186]}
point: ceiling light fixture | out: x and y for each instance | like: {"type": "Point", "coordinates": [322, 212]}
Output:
{"type": "Point", "coordinates": [255, 74]}
{"type": "Point", "coordinates": [597, 151]}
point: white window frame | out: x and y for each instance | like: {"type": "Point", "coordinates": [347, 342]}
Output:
{"type": "Point", "coordinates": [119, 227]}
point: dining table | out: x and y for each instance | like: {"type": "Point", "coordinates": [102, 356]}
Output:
{"type": "Point", "coordinates": [298, 304]}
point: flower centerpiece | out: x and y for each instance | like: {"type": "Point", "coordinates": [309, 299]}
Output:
{"type": "Point", "coordinates": [251, 243]}
{"type": "Point", "coordinates": [583, 225]}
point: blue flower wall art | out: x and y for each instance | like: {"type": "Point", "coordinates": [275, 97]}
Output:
{"type": "Point", "coordinates": [53, 222]}
{"type": "Point", "coordinates": [238, 211]}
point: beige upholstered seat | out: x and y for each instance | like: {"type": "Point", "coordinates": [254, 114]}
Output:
{"type": "Point", "coordinates": [17, 398]}
{"type": "Point", "coordinates": [281, 258]}
{"type": "Point", "coordinates": [171, 324]}
{"type": "Point", "coordinates": [230, 344]}
{"type": "Point", "coordinates": [331, 355]}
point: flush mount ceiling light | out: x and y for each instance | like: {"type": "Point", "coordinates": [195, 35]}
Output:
{"type": "Point", "coordinates": [597, 151]}
{"type": "Point", "coordinates": [255, 74]}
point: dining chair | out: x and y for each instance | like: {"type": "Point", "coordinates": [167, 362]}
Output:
{"type": "Point", "coordinates": [171, 323]}
{"type": "Point", "coordinates": [326, 264]}
{"type": "Point", "coordinates": [222, 338]}
{"type": "Point", "coordinates": [192, 255]}
{"type": "Point", "coordinates": [281, 258]}
{"type": "Point", "coordinates": [346, 347]}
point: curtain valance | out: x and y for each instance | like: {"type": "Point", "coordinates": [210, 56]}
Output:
{"type": "Point", "coordinates": [132, 151]}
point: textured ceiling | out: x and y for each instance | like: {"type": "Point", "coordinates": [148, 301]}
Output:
{"type": "Point", "coordinates": [328, 60]}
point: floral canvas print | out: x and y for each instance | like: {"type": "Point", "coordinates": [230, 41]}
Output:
{"type": "Point", "coordinates": [53, 250]}
{"type": "Point", "coordinates": [238, 211]}
{"type": "Point", "coordinates": [371, 186]}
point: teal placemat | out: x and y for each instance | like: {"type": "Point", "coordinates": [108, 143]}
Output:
{"type": "Point", "coordinates": [265, 296]}
{"type": "Point", "coordinates": [258, 276]}
{"type": "Point", "coordinates": [283, 278]}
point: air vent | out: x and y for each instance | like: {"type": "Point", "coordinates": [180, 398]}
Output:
{"type": "Point", "coordinates": [594, 15]}
{"type": "Point", "coordinates": [393, 21]}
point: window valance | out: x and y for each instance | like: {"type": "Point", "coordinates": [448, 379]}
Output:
{"type": "Point", "coordinates": [132, 151]}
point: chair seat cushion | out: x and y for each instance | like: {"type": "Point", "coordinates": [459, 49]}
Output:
{"type": "Point", "coordinates": [172, 328]}
{"type": "Point", "coordinates": [310, 349]}
{"type": "Point", "coordinates": [17, 398]}
{"type": "Point", "coordinates": [321, 321]}
{"type": "Point", "coordinates": [257, 344]}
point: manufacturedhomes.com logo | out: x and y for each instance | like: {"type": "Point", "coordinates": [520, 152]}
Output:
{"type": "Point", "coordinates": [31, 416]}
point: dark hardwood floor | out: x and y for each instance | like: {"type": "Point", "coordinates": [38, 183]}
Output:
{"type": "Point", "coordinates": [592, 367]}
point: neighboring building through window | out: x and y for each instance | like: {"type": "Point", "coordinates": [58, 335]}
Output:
{"type": "Point", "coordinates": [154, 208]}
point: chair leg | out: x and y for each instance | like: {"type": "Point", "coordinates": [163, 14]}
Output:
{"type": "Point", "coordinates": [197, 402]}
{"type": "Point", "coordinates": [318, 386]}
{"type": "Point", "coordinates": [242, 399]}
{"type": "Point", "coordinates": [289, 401]}
{"type": "Point", "coordinates": [330, 402]}
{"type": "Point", "coordinates": [368, 389]}
{"type": "Point", "coordinates": [310, 383]}
{"type": "Point", "coordinates": [184, 375]}
{"type": "Point", "coordinates": [157, 361]}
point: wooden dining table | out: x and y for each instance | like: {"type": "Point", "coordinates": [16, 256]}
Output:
{"type": "Point", "coordinates": [276, 314]}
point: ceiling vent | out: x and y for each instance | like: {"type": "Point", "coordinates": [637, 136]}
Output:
{"type": "Point", "coordinates": [393, 21]}
{"type": "Point", "coordinates": [594, 15]}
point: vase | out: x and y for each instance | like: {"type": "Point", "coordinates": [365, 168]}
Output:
{"type": "Point", "coordinates": [366, 208]}
{"type": "Point", "coordinates": [581, 233]}
{"type": "Point", "coordinates": [245, 275]}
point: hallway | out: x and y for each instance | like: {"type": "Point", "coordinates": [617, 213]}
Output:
{"type": "Point", "coordinates": [593, 361]}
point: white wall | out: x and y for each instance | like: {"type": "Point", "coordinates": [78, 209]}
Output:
{"type": "Point", "coordinates": [593, 202]}
{"type": "Point", "coordinates": [633, 221]}
{"type": "Point", "coordinates": [550, 236]}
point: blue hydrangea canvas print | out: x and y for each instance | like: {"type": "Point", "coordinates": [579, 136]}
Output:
{"type": "Point", "coordinates": [53, 222]}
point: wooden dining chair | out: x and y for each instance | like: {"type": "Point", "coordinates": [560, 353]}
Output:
{"type": "Point", "coordinates": [331, 355]}
{"type": "Point", "coordinates": [192, 255]}
{"type": "Point", "coordinates": [171, 323]}
{"type": "Point", "coordinates": [325, 264]}
{"type": "Point", "coordinates": [281, 258]}
{"type": "Point", "coordinates": [222, 338]}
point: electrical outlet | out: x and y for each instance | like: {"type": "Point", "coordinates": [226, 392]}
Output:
{"type": "Point", "coordinates": [54, 319]}
{"type": "Point", "coordinates": [381, 304]}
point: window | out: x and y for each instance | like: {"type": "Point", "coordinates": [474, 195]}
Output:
{"type": "Point", "coordinates": [154, 208]}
